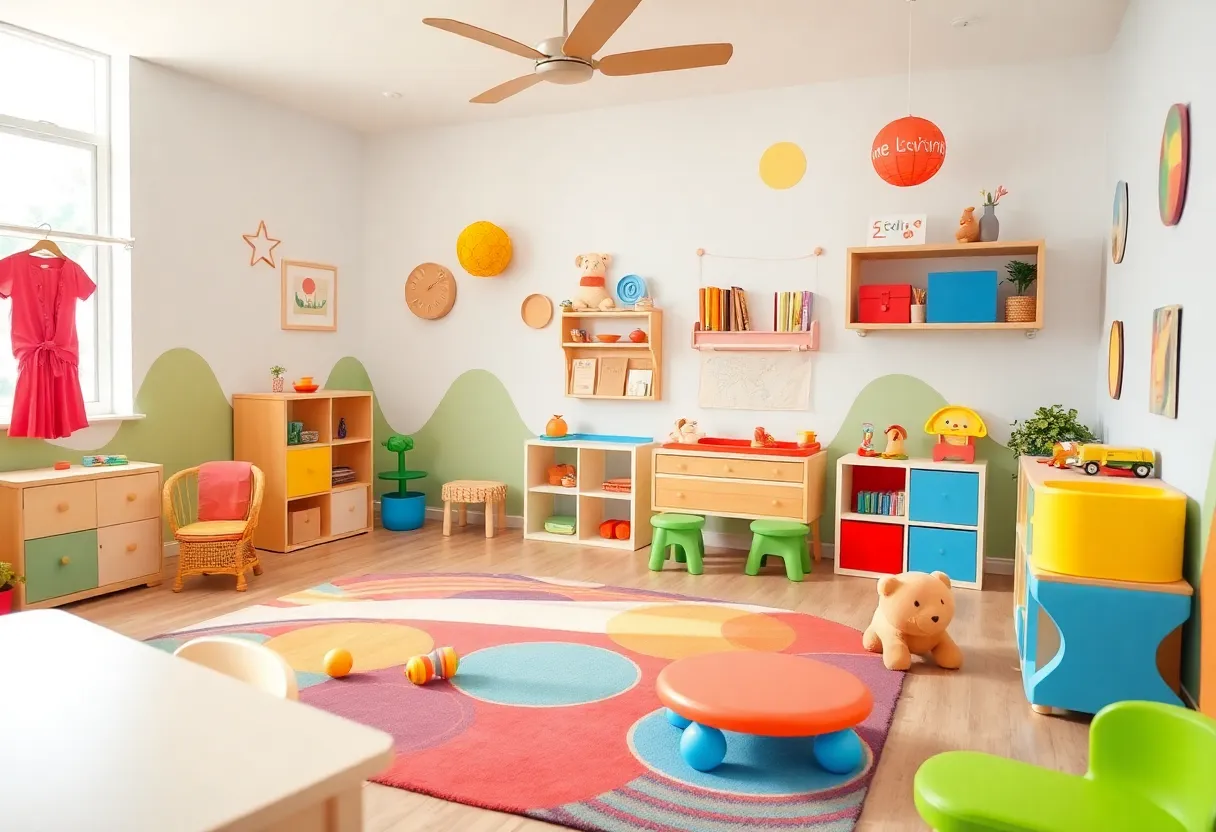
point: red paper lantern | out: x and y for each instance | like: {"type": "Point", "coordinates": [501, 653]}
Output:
{"type": "Point", "coordinates": [908, 151]}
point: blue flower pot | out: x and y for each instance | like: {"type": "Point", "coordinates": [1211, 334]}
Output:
{"type": "Point", "coordinates": [400, 513]}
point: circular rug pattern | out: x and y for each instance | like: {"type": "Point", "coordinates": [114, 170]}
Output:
{"type": "Point", "coordinates": [545, 674]}
{"type": "Point", "coordinates": [754, 766]}
{"type": "Point", "coordinates": [674, 631]}
{"type": "Point", "coordinates": [374, 646]}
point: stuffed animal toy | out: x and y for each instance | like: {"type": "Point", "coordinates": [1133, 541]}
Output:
{"type": "Point", "coordinates": [968, 227]}
{"type": "Point", "coordinates": [592, 293]}
{"type": "Point", "coordinates": [914, 610]}
{"type": "Point", "coordinates": [686, 433]}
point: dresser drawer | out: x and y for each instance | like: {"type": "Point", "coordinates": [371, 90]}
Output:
{"type": "Point", "coordinates": [716, 466]}
{"type": "Point", "coordinates": [128, 551]}
{"type": "Point", "coordinates": [127, 499]}
{"type": "Point", "coordinates": [59, 509]}
{"type": "Point", "coordinates": [942, 550]}
{"type": "Point", "coordinates": [697, 496]}
{"type": "Point", "coordinates": [308, 471]}
{"type": "Point", "coordinates": [60, 565]}
{"type": "Point", "coordinates": [951, 497]}
{"type": "Point", "coordinates": [348, 511]}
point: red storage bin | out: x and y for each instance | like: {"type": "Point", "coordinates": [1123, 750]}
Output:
{"type": "Point", "coordinates": [871, 546]}
{"type": "Point", "coordinates": [888, 303]}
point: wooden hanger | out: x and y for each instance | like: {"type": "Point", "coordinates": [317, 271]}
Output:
{"type": "Point", "coordinates": [46, 245]}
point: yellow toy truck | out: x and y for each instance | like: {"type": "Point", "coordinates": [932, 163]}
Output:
{"type": "Point", "coordinates": [1093, 458]}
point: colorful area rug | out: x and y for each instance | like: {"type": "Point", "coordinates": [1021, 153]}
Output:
{"type": "Point", "coordinates": [552, 713]}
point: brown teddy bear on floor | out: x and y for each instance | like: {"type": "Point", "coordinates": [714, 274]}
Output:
{"type": "Point", "coordinates": [914, 610]}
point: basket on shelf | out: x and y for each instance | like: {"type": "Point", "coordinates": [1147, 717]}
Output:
{"type": "Point", "coordinates": [1020, 309]}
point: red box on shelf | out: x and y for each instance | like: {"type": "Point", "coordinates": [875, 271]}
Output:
{"type": "Point", "coordinates": [888, 303]}
{"type": "Point", "coordinates": [871, 546]}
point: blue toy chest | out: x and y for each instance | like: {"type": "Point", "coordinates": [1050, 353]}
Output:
{"type": "Point", "coordinates": [961, 297]}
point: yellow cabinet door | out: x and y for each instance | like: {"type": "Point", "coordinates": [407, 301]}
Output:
{"type": "Point", "coordinates": [308, 471]}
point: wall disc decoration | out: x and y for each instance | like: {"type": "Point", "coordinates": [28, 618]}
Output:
{"type": "Point", "coordinates": [908, 151]}
{"type": "Point", "coordinates": [1175, 163]}
{"type": "Point", "coordinates": [430, 291]}
{"type": "Point", "coordinates": [536, 311]}
{"type": "Point", "coordinates": [1163, 363]}
{"type": "Point", "coordinates": [782, 165]}
{"type": "Point", "coordinates": [1114, 360]}
{"type": "Point", "coordinates": [1118, 224]}
{"type": "Point", "coordinates": [484, 249]}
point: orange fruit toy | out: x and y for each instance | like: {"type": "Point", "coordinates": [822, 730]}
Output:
{"type": "Point", "coordinates": [338, 662]}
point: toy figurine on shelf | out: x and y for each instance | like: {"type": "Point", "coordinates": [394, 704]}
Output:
{"type": "Point", "coordinates": [896, 434]}
{"type": "Point", "coordinates": [1063, 455]}
{"type": "Point", "coordinates": [867, 441]}
{"type": "Point", "coordinates": [762, 439]}
{"type": "Point", "coordinates": [807, 438]}
{"type": "Point", "coordinates": [685, 433]}
{"type": "Point", "coordinates": [341, 427]}
{"type": "Point", "coordinates": [956, 428]}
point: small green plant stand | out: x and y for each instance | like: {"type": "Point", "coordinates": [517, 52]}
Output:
{"type": "Point", "coordinates": [402, 510]}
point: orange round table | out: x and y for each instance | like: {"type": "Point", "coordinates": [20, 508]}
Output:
{"type": "Point", "coordinates": [769, 694]}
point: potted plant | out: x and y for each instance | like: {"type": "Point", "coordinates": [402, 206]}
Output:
{"type": "Point", "coordinates": [8, 582]}
{"type": "Point", "coordinates": [1020, 307]}
{"type": "Point", "coordinates": [990, 226]}
{"type": "Point", "coordinates": [1037, 435]}
{"type": "Point", "coordinates": [276, 379]}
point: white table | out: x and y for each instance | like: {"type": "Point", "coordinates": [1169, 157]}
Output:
{"type": "Point", "coordinates": [103, 733]}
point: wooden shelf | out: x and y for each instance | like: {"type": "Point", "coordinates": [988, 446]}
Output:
{"type": "Point", "coordinates": [893, 519]}
{"type": "Point", "coordinates": [998, 325]}
{"type": "Point", "coordinates": [612, 398]}
{"type": "Point", "coordinates": [349, 486]}
{"type": "Point", "coordinates": [349, 441]}
{"type": "Point", "coordinates": [628, 313]}
{"type": "Point", "coordinates": [600, 345]}
{"type": "Point", "coordinates": [601, 494]}
{"type": "Point", "coordinates": [302, 445]}
{"type": "Point", "coordinates": [645, 356]}
{"type": "Point", "coordinates": [553, 489]}
{"type": "Point", "coordinates": [997, 249]}
{"type": "Point", "coordinates": [756, 340]}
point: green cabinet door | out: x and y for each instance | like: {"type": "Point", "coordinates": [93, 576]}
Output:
{"type": "Point", "coordinates": [60, 565]}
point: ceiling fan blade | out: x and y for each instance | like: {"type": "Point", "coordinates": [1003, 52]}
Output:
{"type": "Point", "coordinates": [496, 94]}
{"type": "Point", "coordinates": [595, 27]}
{"type": "Point", "coordinates": [482, 36]}
{"type": "Point", "coordinates": [666, 59]}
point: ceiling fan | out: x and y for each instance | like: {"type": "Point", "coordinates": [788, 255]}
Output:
{"type": "Point", "coordinates": [570, 58]}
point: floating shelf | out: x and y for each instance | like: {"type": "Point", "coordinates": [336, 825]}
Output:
{"type": "Point", "coordinates": [753, 340]}
{"type": "Point", "coordinates": [624, 313]}
{"type": "Point", "coordinates": [644, 356]}
{"type": "Point", "coordinates": [602, 345]}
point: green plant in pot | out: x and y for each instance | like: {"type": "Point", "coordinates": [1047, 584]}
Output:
{"type": "Point", "coordinates": [1037, 435]}
{"type": "Point", "coordinates": [1021, 308]}
{"type": "Point", "coordinates": [8, 582]}
{"type": "Point", "coordinates": [276, 378]}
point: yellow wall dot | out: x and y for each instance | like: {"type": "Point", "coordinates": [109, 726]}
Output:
{"type": "Point", "coordinates": [782, 165]}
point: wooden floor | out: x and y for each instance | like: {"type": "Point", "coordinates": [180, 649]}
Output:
{"type": "Point", "coordinates": [980, 707]}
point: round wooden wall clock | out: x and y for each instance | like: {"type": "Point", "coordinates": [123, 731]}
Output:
{"type": "Point", "coordinates": [430, 291]}
{"type": "Point", "coordinates": [1114, 360]}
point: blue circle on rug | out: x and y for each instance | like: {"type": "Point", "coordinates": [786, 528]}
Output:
{"type": "Point", "coordinates": [545, 674]}
{"type": "Point", "coordinates": [762, 766]}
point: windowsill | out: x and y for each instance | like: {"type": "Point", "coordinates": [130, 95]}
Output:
{"type": "Point", "coordinates": [107, 417]}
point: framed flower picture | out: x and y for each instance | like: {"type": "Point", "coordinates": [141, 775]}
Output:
{"type": "Point", "coordinates": [310, 296]}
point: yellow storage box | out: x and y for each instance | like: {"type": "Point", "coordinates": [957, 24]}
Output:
{"type": "Point", "coordinates": [1120, 531]}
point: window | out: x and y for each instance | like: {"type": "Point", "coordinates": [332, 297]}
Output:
{"type": "Point", "coordinates": [55, 170]}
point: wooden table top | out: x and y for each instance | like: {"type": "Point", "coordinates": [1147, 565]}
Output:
{"type": "Point", "coordinates": [769, 694]}
{"type": "Point", "coordinates": [110, 735]}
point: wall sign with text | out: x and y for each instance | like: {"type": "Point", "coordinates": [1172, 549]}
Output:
{"type": "Point", "coordinates": [901, 230]}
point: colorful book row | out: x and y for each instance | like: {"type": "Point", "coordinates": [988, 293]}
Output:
{"type": "Point", "coordinates": [890, 503]}
{"type": "Point", "coordinates": [793, 311]}
{"type": "Point", "coordinates": [723, 310]}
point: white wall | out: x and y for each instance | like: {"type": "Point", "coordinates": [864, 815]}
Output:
{"type": "Point", "coordinates": [650, 184]}
{"type": "Point", "coordinates": [1163, 56]}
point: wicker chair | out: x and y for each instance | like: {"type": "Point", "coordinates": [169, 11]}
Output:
{"type": "Point", "coordinates": [211, 547]}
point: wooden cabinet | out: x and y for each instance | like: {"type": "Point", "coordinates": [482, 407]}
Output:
{"type": "Point", "coordinates": [81, 532]}
{"type": "Point", "coordinates": [647, 355]}
{"type": "Point", "coordinates": [301, 506]}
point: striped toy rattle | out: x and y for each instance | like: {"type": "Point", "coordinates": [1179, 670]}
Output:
{"type": "Point", "coordinates": [440, 663]}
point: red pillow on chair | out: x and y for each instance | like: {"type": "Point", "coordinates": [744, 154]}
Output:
{"type": "Point", "coordinates": [224, 490]}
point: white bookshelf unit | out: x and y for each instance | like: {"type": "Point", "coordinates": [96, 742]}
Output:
{"type": "Point", "coordinates": [941, 529]}
{"type": "Point", "coordinates": [595, 460]}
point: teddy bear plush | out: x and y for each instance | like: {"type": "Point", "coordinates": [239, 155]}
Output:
{"type": "Point", "coordinates": [592, 293]}
{"type": "Point", "coordinates": [914, 610]}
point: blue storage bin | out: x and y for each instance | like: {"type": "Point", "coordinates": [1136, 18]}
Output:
{"type": "Point", "coordinates": [962, 297]}
{"type": "Point", "coordinates": [949, 497]}
{"type": "Point", "coordinates": [943, 550]}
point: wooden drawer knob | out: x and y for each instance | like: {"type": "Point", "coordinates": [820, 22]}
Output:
{"type": "Point", "coordinates": [65, 560]}
{"type": "Point", "coordinates": [62, 507]}
{"type": "Point", "coordinates": [679, 495]}
{"type": "Point", "coordinates": [682, 467]}
{"type": "Point", "coordinates": [776, 503]}
{"type": "Point", "coordinates": [730, 470]}
{"type": "Point", "coordinates": [350, 508]}
{"type": "Point", "coordinates": [131, 497]}
{"type": "Point", "coordinates": [131, 547]}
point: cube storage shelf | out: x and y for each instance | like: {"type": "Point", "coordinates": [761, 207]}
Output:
{"type": "Point", "coordinates": [301, 506]}
{"type": "Point", "coordinates": [942, 528]}
{"type": "Point", "coordinates": [588, 502]}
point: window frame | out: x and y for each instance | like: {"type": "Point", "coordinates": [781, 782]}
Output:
{"type": "Point", "coordinates": [100, 143]}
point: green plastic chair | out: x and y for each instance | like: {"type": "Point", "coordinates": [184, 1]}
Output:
{"type": "Point", "coordinates": [785, 539]}
{"type": "Point", "coordinates": [1152, 768]}
{"type": "Point", "coordinates": [679, 534]}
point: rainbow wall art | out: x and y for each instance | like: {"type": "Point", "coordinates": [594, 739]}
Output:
{"type": "Point", "coordinates": [1175, 159]}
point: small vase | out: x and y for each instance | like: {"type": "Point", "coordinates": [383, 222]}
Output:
{"type": "Point", "coordinates": [276, 384]}
{"type": "Point", "coordinates": [918, 313]}
{"type": "Point", "coordinates": [990, 226]}
{"type": "Point", "coordinates": [342, 427]}
{"type": "Point", "coordinates": [1020, 309]}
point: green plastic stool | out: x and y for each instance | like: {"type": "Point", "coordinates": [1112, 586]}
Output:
{"type": "Point", "coordinates": [785, 539]}
{"type": "Point", "coordinates": [681, 534]}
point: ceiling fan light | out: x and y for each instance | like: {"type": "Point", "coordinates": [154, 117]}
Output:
{"type": "Point", "coordinates": [564, 71]}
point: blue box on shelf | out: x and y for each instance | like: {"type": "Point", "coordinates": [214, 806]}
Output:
{"type": "Point", "coordinates": [962, 297]}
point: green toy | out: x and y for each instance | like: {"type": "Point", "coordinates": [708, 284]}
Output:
{"type": "Point", "coordinates": [785, 539]}
{"type": "Point", "coordinates": [1151, 766]}
{"type": "Point", "coordinates": [402, 510]}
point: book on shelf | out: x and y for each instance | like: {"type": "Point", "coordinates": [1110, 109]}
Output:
{"type": "Point", "coordinates": [723, 309]}
{"type": "Point", "coordinates": [582, 377]}
{"type": "Point", "coordinates": [612, 376]}
{"type": "Point", "coordinates": [638, 383]}
{"type": "Point", "coordinates": [793, 311]}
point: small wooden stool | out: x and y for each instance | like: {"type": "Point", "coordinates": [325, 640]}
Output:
{"type": "Point", "coordinates": [785, 539]}
{"type": "Point", "coordinates": [463, 492]}
{"type": "Point", "coordinates": [678, 534]}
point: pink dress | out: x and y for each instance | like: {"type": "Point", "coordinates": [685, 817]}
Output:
{"type": "Point", "coordinates": [48, 403]}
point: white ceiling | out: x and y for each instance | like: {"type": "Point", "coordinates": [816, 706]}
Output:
{"type": "Point", "coordinates": [335, 58]}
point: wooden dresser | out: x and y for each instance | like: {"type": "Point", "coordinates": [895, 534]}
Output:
{"type": "Point", "coordinates": [741, 485]}
{"type": "Point", "coordinates": [81, 532]}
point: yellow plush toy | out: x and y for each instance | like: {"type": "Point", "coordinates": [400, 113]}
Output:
{"type": "Point", "coordinates": [592, 292]}
{"type": "Point", "coordinates": [914, 610]}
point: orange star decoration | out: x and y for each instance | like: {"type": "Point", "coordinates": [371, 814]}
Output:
{"type": "Point", "coordinates": [263, 245]}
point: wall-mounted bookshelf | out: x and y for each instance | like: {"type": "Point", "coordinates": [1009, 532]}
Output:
{"type": "Point", "coordinates": [623, 354]}
{"type": "Point", "coordinates": [757, 340]}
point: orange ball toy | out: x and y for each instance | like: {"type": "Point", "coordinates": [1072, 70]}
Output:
{"type": "Point", "coordinates": [338, 662]}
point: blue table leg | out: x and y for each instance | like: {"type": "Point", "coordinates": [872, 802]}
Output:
{"type": "Point", "coordinates": [677, 720]}
{"type": "Point", "coordinates": [702, 747]}
{"type": "Point", "coordinates": [839, 752]}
